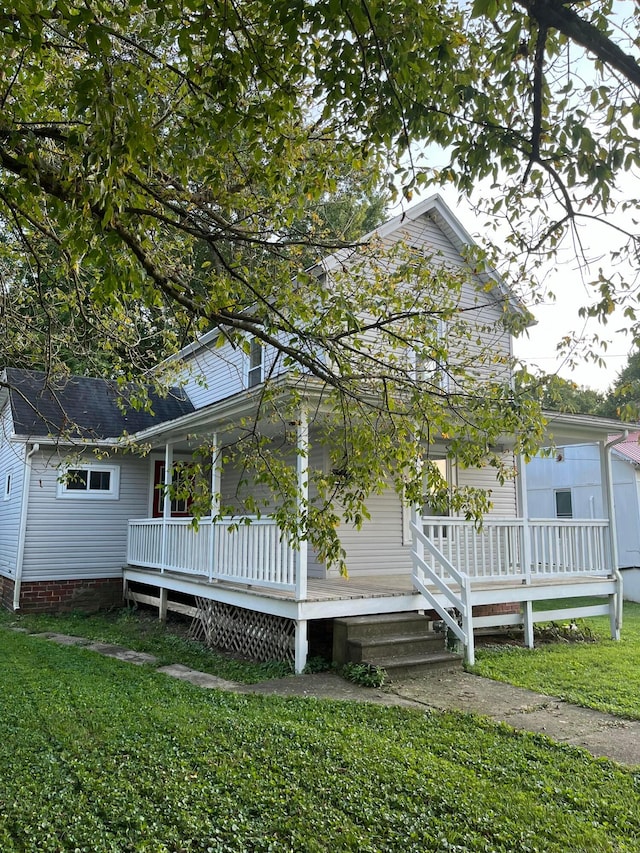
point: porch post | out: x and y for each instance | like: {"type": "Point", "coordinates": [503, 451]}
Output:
{"type": "Point", "coordinates": [215, 503]}
{"type": "Point", "coordinates": [523, 511]}
{"type": "Point", "coordinates": [302, 468]}
{"type": "Point", "coordinates": [607, 502]}
{"type": "Point", "coordinates": [302, 645]}
{"type": "Point", "coordinates": [615, 601]}
{"type": "Point", "coordinates": [166, 505]}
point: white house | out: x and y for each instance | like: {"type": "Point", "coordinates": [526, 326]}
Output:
{"type": "Point", "coordinates": [567, 484]}
{"type": "Point", "coordinates": [74, 530]}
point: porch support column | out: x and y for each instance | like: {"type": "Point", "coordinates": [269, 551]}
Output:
{"type": "Point", "coordinates": [302, 645]}
{"type": "Point", "coordinates": [615, 601]}
{"type": "Point", "coordinates": [302, 467]}
{"type": "Point", "coordinates": [166, 505]}
{"type": "Point", "coordinates": [523, 512]}
{"type": "Point", "coordinates": [215, 503]}
{"type": "Point", "coordinates": [162, 605]}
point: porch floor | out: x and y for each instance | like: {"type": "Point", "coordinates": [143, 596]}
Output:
{"type": "Point", "coordinates": [375, 586]}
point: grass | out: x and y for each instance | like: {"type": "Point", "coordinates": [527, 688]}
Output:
{"type": "Point", "coordinates": [141, 631]}
{"type": "Point", "coordinates": [603, 675]}
{"type": "Point", "coordinates": [99, 755]}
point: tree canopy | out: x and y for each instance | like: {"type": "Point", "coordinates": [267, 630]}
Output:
{"type": "Point", "coordinates": [161, 162]}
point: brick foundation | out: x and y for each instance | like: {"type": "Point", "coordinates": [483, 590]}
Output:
{"type": "Point", "coordinates": [483, 610]}
{"type": "Point", "coordinates": [492, 609]}
{"type": "Point", "coordinates": [6, 593]}
{"type": "Point", "coordinates": [86, 595]}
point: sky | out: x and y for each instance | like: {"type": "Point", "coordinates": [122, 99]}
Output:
{"type": "Point", "coordinates": [569, 284]}
{"type": "Point", "coordinates": [558, 315]}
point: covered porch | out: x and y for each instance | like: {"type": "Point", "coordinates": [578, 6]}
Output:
{"type": "Point", "coordinates": [459, 569]}
{"type": "Point", "coordinates": [455, 568]}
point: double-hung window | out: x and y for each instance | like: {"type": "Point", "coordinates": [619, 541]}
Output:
{"type": "Point", "coordinates": [430, 364]}
{"type": "Point", "coordinates": [255, 374]}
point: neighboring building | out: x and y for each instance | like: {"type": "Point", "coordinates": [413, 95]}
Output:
{"type": "Point", "coordinates": [71, 532]}
{"type": "Point", "coordinates": [567, 484]}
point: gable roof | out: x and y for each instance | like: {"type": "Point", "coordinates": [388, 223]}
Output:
{"type": "Point", "coordinates": [436, 209]}
{"type": "Point", "coordinates": [81, 407]}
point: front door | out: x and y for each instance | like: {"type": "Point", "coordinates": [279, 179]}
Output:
{"type": "Point", "coordinates": [179, 508]}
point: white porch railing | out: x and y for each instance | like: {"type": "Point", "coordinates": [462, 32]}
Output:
{"type": "Point", "coordinates": [451, 555]}
{"type": "Point", "coordinates": [505, 548]}
{"type": "Point", "coordinates": [254, 553]}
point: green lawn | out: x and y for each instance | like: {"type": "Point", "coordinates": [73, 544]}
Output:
{"type": "Point", "coordinates": [99, 755]}
{"type": "Point", "coordinates": [603, 675]}
{"type": "Point", "coordinates": [141, 631]}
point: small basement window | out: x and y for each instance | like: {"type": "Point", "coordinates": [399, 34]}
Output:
{"type": "Point", "coordinates": [564, 507]}
{"type": "Point", "coordinates": [92, 481]}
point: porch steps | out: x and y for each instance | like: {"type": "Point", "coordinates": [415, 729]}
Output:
{"type": "Point", "coordinates": [401, 643]}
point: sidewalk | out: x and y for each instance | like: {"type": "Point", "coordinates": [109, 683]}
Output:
{"type": "Point", "coordinates": [601, 734]}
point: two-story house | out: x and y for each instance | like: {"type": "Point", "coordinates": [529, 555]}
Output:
{"type": "Point", "coordinates": [78, 529]}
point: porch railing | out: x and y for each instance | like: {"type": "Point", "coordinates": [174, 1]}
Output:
{"type": "Point", "coordinates": [254, 553]}
{"type": "Point", "coordinates": [504, 548]}
{"type": "Point", "coordinates": [451, 555]}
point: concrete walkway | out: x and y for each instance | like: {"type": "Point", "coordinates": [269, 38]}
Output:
{"type": "Point", "coordinates": [601, 734]}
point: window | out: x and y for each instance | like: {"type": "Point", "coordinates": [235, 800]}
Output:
{"type": "Point", "coordinates": [100, 482]}
{"type": "Point", "coordinates": [254, 376]}
{"type": "Point", "coordinates": [181, 482]}
{"type": "Point", "coordinates": [433, 371]}
{"type": "Point", "coordinates": [564, 508]}
{"type": "Point", "coordinates": [445, 468]}
{"type": "Point", "coordinates": [7, 487]}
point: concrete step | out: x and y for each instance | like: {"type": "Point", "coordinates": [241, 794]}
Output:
{"type": "Point", "coordinates": [358, 627]}
{"type": "Point", "coordinates": [377, 627]}
{"type": "Point", "coordinates": [397, 667]}
{"type": "Point", "coordinates": [394, 646]}
{"type": "Point", "coordinates": [401, 643]}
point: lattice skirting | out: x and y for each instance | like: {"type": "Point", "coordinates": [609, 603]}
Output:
{"type": "Point", "coordinates": [258, 636]}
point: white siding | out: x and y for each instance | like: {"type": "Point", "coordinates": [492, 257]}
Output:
{"type": "Point", "coordinates": [425, 235]}
{"type": "Point", "coordinates": [217, 373]}
{"type": "Point", "coordinates": [11, 463]}
{"type": "Point", "coordinates": [503, 497]}
{"type": "Point", "coordinates": [78, 538]}
{"type": "Point", "coordinates": [377, 546]}
{"type": "Point", "coordinates": [213, 374]}
{"type": "Point", "coordinates": [579, 471]}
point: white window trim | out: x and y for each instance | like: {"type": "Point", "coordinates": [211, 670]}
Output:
{"type": "Point", "coordinates": [427, 368]}
{"type": "Point", "coordinates": [256, 369]}
{"type": "Point", "coordinates": [8, 485]}
{"type": "Point", "coordinates": [564, 491]}
{"type": "Point", "coordinates": [112, 494]}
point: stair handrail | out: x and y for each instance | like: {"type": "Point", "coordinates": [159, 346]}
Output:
{"type": "Point", "coordinates": [461, 602]}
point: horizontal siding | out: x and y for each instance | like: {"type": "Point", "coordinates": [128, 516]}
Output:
{"type": "Point", "coordinates": [580, 472]}
{"type": "Point", "coordinates": [377, 547]}
{"type": "Point", "coordinates": [503, 496]}
{"type": "Point", "coordinates": [485, 309]}
{"type": "Point", "coordinates": [11, 462]}
{"type": "Point", "coordinates": [213, 374]}
{"type": "Point", "coordinates": [79, 538]}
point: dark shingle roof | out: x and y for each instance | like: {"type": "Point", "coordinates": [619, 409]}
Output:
{"type": "Point", "coordinates": [82, 407]}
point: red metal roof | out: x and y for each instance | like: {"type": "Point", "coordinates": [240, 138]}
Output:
{"type": "Point", "coordinates": [630, 447]}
